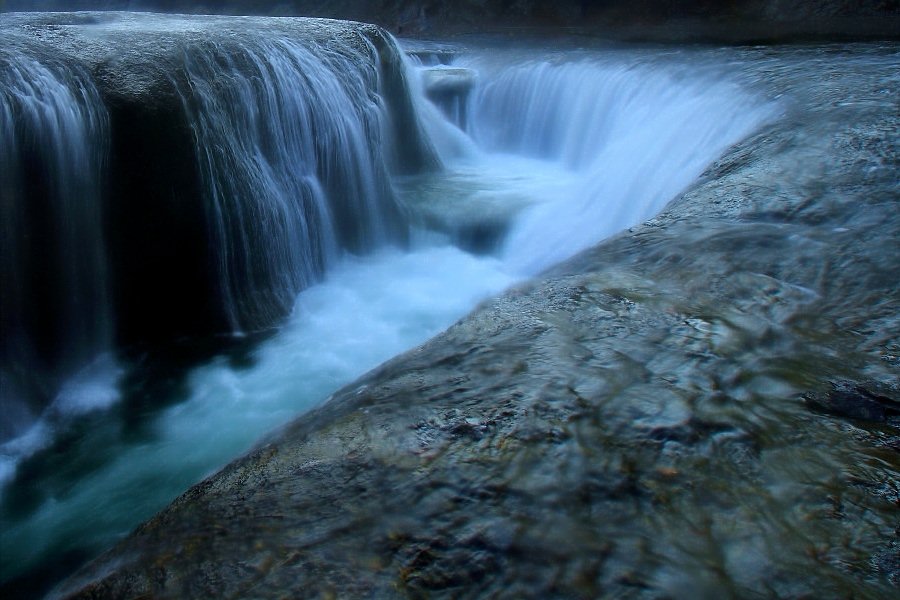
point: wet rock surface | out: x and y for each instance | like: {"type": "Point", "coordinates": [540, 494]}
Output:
{"type": "Point", "coordinates": [631, 424]}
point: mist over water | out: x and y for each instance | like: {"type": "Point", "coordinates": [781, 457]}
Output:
{"type": "Point", "coordinates": [556, 155]}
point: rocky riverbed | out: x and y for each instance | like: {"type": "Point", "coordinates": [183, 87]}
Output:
{"type": "Point", "coordinates": [703, 406]}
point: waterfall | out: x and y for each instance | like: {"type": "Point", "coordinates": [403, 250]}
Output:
{"type": "Point", "coordinates": [294, 142]}
{"type": "Point", "coordinates": [53, 271]}
{"type": "Point", "coordinates": [631, 134]}
{"type": "Point", "coordinates": [290, 142]}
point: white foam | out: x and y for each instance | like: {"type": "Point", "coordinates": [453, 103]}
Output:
{"type": "Point", "coordinates": [35, 438]}
{"type": "Point", "coordinates": [91, 389]}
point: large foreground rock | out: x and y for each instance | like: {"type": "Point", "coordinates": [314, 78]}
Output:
{"type": "Point", "coordinates": [659, 417]}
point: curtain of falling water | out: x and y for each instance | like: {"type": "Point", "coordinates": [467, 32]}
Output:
{"type": "Point", "coordinates": [53, 271]}
{"type": "Point", "coordinates": [291, 152]}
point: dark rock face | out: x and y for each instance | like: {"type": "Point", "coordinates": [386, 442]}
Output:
{"type": "Point", "coordinates": [734, 20]}
{"type": "Point", "coordinates": [629, 425]}
{"type": "Point", "coordinates": [161, 252]}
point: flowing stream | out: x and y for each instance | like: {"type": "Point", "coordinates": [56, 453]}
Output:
{"type": "Point", "coordinates": [557, 152]}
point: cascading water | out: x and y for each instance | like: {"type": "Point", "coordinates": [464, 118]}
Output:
{"type": "Point", "coordinates": [633, 134]}
{"type": "Point", "coordinates": [56, 314]}
{"type": "Point", "coordinates": [293, 147]}
{"type": "Point", "coordinates": [290, 152]}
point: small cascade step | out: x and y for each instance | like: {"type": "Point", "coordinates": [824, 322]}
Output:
{"type": "Point", "coordinates": [449, 87]}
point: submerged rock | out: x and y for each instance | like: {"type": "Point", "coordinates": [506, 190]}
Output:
{"type": "Point", "coordinates": [629, 424]}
